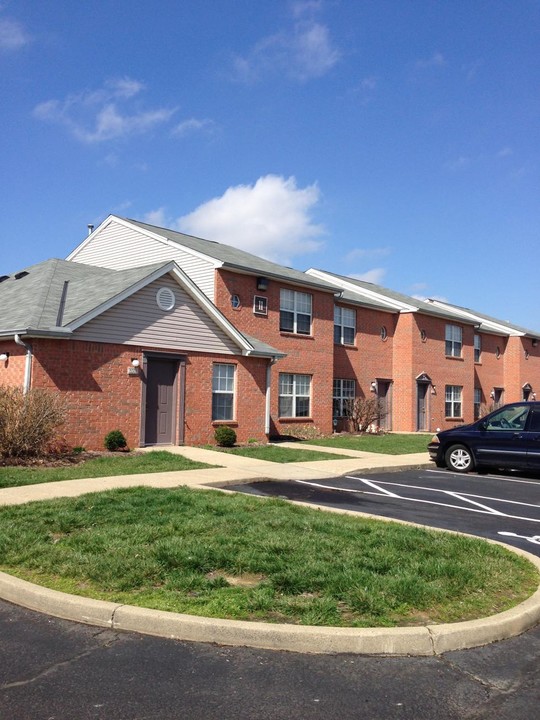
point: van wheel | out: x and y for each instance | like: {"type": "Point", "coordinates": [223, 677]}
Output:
{"type": "Point", "coordinates": [459, 459]}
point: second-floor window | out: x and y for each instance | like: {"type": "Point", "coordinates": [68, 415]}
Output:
{"type": "Point", "coordinates": [344, 325]}
{"type": "Point", "coordinates": [452, 401]}
{"type": "Point", "coordinates": [454, 341]}
{"type": "Point", "coordinates": [477, 348]}
{"type": "Point", "coordinates": [295, 312]}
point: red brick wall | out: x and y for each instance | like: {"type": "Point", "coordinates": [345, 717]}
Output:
{"type": "Point", "coordinates": [12, 371]}
{"type": "Point", "coordinates": [311, 355]}
{"type": "Point", "coordinates": [100, 396]}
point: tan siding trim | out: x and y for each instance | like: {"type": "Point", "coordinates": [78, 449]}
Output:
{"type": "Point", "coordinates": [139, 321]}
{"type": "Point", "coordinates": [119, 247]}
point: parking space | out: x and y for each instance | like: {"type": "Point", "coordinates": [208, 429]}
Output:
{"type": "Point", "coordinates": [499, 507]}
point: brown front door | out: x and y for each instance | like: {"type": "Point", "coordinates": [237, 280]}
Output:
{"type": "Point", "coordinates": [160, 401]}
{"type": "Point", "coordinates": [385, 407]}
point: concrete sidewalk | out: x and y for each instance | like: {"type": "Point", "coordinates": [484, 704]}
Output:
{"type": "Point", "coordinates": [428, 640]}
{"type": "Point", "coordinates": [233, 469]}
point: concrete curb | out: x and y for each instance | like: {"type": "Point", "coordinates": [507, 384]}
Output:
{"type": "Point", "coordinates": [419, 641]}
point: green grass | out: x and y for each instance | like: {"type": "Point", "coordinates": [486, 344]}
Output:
{"type": "Point", "coordinates": [390, 444]}
{"type": "Point", "coordinates": [103, 466]}
{"type": "Point", "coordinates": [242, 557]}
{"type": "Point", "coordinates": [274, 453]}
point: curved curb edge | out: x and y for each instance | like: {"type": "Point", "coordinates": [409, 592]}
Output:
{"type": "Point", "coordinates": [419, 641]}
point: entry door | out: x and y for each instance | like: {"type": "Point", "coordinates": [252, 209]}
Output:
{"type": "Point", "coordinates": [383, 394]}
{"type": "Point", "coordinates": [160, 407]}
{"type": "Point", "coordinates": [421, 413]}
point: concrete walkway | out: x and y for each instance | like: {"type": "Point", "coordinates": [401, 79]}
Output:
{"type": "Point", "coordinates": [428, 640]}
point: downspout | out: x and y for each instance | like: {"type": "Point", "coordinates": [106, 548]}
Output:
{"type": "Point", "coordinates": [268, 386]}
{"type": "Point", "coordinates": [28, 364]}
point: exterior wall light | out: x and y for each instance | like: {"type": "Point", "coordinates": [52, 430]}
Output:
{"type": "Point", "coordinates": [133, 368]}
{"type": "Point", "coordinates": [373, 386]}
{"type": "Point", "coordinates": [135, 362]}
{"type": "Point", "coordinates": [433, 389]}
{"type": "Point", "coordinates": [4, 357]}
{"type": "Point", "coordinates": [492, 394]}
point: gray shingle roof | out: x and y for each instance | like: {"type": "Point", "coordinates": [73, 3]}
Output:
{"type": "Point", "coordinates": [391, 295]}
{"type": "Point", "coordinates": [235, 258]}
{"type": "Point", "coordinates": [497, 321]}
{"type": "Point", "coordinates": [33, 301]}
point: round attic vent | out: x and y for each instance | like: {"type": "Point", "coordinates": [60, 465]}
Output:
{"type": "Point", "coordinates": [165, 298]}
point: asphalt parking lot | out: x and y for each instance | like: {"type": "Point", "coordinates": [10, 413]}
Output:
{"type": "Point", "coordinates": [495, 506]}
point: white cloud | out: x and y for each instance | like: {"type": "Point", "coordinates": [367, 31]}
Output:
{"type": "Point", "coordinates": [98, 115]}
{"type": "Point", "coordinates": [157, 217]}
{"type": "Point", "coordinates": [374, 276]}
{"type": "Point", "coordinates": [12, 35]}
{"type": "Point", "coordinates": [426, 298]}
{"type": "Point", "coordinates": [505, 152]}
{"type": "Point", "coordinates": [436, 60]}
{"type": "Point", "coordinates": [302, 52]}
{"type": "Point", "coordinates": [459, 163]}
{"type": "Point", "coordinates": [193, 125]}
{"type": "Point", "coordinates": [362, 253]}
{"type": "Point", "coordinates": [271, 218]}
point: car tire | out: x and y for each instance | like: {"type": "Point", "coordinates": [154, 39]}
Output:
{"type": "Point", "coordinates": [459, 459]}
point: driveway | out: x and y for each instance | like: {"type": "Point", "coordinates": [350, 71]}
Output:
{"type": "Point", "coordinates": [498, 507]}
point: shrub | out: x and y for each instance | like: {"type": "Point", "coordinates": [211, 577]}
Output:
{"type": "Point", "coordinates": [225, 436]}
{"type": "Point", "coordinates": [115, 440]}
{"type": "Point", "coordinates": [28, 423]}
{"type": "Point", "coordinates": [364, 413]}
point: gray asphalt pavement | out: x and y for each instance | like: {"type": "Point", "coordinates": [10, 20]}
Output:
{"type": "Point", "coordinates": [52, 669]}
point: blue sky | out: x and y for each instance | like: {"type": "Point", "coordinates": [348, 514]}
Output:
{"type": "Point", "coordinates": [392, 140]}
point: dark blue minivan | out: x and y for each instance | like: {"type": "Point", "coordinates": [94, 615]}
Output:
{"type": "Point", "coordinates": [509, 437]}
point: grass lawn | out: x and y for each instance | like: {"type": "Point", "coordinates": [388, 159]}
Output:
{"type": "Point", "coordinates": [390, 444]}
{"type": "Point", "coordinates": [241, 557]}
{"type": "Point", "coordinates": [103, 466]}
{"type": "Point", "coordinates": [274, 453]}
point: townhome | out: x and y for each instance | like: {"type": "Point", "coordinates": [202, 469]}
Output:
{"type": "Point", "coordinates": [167, 336]}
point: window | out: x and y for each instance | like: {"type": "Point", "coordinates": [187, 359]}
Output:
{"type": "Point", "coordinates": [343, 395]}
{"type": "Point", "coordinates": [477, 348]}
{"type": "Point", "coordinates": [223, 392]}
{"type": "Point", "coordinates": [510, 418]}
{"type": "Point", "coordinates": [453, 341]}
{"type": "Point", "coordinates": [344, 326]}
{"type": "Point", "coordinates": [294, 395]}
{"type": "Point", "coordinates": [477, 402]}
{"type": "Point", "coordinates": [295, 312]}
{"type": "Point", "coordinates": [452, 404]}
{"type": "Point", "coordinates": [260, 305]}
{"type": "Point", "coordinates": [384, 333]}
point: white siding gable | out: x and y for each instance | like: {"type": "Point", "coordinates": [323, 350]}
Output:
{"type": "Point", "coordinates": [119, 246]}
{"type": "Point", "coordinates": [139, 321]}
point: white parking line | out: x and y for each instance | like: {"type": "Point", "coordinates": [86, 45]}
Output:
{"type": "Point", "coordinates": [483, 509]}
{"type": "Point", "coordinates": [483, 477]}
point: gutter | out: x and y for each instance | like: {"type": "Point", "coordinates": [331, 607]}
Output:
{"type": "Point", "coordinates": [28, 363]}
{"type": "Point", "coordinates": [273, 361]}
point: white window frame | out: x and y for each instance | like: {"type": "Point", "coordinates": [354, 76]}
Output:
{"type": "Point", "coordinates": [344, 319]}
{"type": "Point", "coordinates": [477, 402]}
{"type": "Point", "coordinates": [343, 391]}
{"type": "Point", "coordinates": [294, 305]}
{"type": "Point", "coordinates": [477, 348]}
{"type": "Point", "coordinates": [453, 341]}
{"type": "Point", "coordinates": [294, 390]}
{"type": "Point", "coordinates": [453, 401]}
{"type": "Point", "coordinates": [223, 389]}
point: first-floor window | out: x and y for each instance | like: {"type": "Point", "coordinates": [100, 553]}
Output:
{"type": "Point", "coordinates": [294, 395]}
{"type": "Point", "coordinates": [223, 391]}
{"type": "Point", "coordinates": [343, 396]}
{"type": "Point", "coordinates": [477, 402]}
{"type": "Point", "coordinates": [452, 404]}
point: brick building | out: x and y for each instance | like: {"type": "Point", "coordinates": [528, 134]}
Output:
{"type": "Point", "coordinates": [166, 336]}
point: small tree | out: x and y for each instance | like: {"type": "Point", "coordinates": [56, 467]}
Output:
{"type": "Point", "coordinates": [363, 412]}
{"type": "Point", "coordinates": [28, 422]}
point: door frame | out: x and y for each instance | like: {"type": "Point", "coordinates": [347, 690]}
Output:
{"type": "Point", "coordinates": [178, 393]}
{"type": "Point", "coordinates": [425, 382]}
